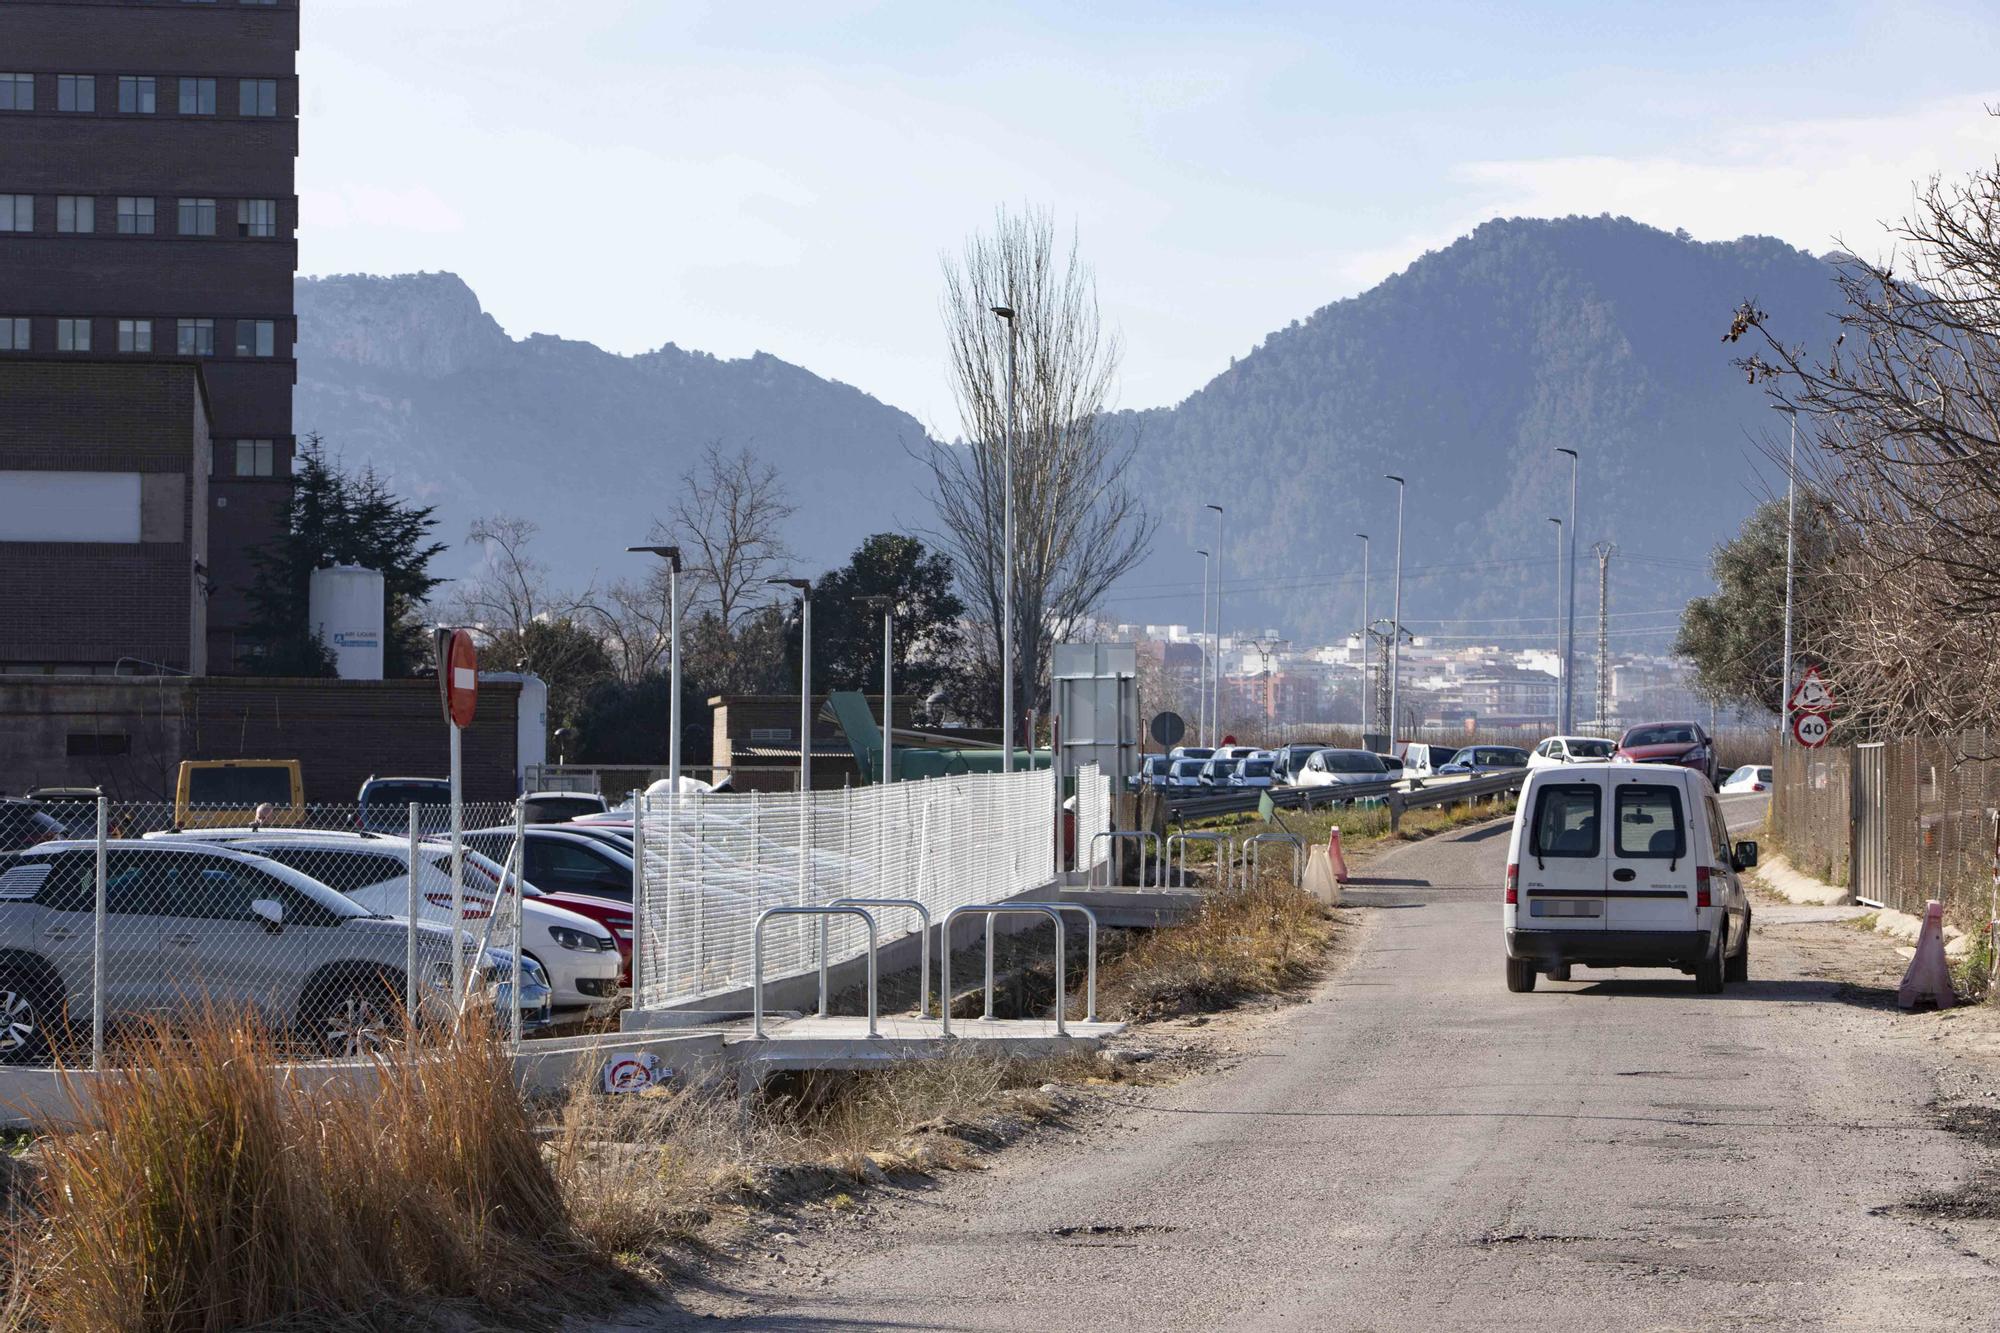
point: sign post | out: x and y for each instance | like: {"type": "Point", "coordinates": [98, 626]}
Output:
{"type": "Point", "coordinates": [458, 682]}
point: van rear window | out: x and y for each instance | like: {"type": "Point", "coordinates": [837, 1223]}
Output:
{"type": "Point", "coordinates": [239, 786]}
{"type": "Point", "coordinates": [1650, 826]}
{"type": "Point", "coordinates": [1566, 821]}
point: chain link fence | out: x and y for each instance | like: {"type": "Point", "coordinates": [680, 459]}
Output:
{"type": "Point", "coordinates": [712, 863]}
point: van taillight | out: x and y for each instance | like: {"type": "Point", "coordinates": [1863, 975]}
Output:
{"type": "Point", "coordinates": [1701, 887]}
{"type": "Point", "coordinates": [1513, 885]}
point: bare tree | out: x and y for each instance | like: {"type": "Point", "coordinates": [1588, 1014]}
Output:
{"type": "Point", "coordinates": [729, 525]}
{"type": "Point", "coordinates": [512, 589]}
{"type": "Point", "coordinates": [1077, 527]}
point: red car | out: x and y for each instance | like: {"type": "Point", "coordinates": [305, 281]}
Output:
{"type": "Point", "coordinates": [1682, 744]}
{"type": "Point", "coordinates": [615, 917]}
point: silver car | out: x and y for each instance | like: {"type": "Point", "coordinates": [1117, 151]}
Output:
{"type": "Point", "coordinates": [193, 929]}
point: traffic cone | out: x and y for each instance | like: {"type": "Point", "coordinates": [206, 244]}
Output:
{"type": "Point", "coordinates": [1333, 855]}
{"type": "Point", "coordinates": [1929, 977]}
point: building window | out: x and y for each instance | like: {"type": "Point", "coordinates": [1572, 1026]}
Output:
{"type": "Point", "coordinates": [98, 744]}
{"type": "Point", "coordinates": [197, 97]}
{"type": "Point", "coordinates": [76, 213]}
{"type": "Point", "coordinates": [256, 217]}
{"type": "Point", "coordinates": [72, 335]}
{"type": "Point", "coordinates": [135, 335]}
{"type": "Point", "coordinates": [257, 97]}
{"type": "Point", "coordinates": [253, 458]}
{"type": "Point", "coordinates": [17, 92]}
{"type": "Point", "coordinates": [17, 212]}
{"type": "Point", "coordinates": [13, 333]}
{"type": "Point", "coordinates": [256, 337]}
{"type": "Point", "coordinates": [135, 216]}
{"type": "Point", "coordinates": [76, 92]}
{"type": "Point", "coordinates": [136, 94]}
{"type": "Point", "coordinates": [197, 217]}
{"type": "Point", "coordinates": [195, 337]}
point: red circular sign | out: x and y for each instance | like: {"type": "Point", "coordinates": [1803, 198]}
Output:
{"type": "Point", "coordinates": [460, 671]}
{"type": "Point", "coordinates": [1810, 729]}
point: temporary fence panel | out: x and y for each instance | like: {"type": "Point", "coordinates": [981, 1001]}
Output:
{"type": "Point", "coordinates": [713, 862]}
{"type": "Point", "coordinates": [1093, 816]}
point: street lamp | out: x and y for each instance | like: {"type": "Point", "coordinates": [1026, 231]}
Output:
{"type": "Point", "coordinates": [1566, 705]}
{"type": "Point", "coordinates": [672, 555]}
{"type": "Point", "coordinates": [1215, 713]}
{"type": "Point", "coordinates": [1562, 667]}
{"type": "Point", "coordinates": [1791, 514]}
{"type": "Point", "coordinates": [1201, 662]}
{"type": "Point", "coordinates": [1007, 563]}
{"type": "Point", "coordinates": [887, 606]}
{"type": "Point", "coordinates": [1396, 616]}
{"type": "Point", "coordinates": [805, 678]}
{"type": "Point", "coordinates": [1364, 638]}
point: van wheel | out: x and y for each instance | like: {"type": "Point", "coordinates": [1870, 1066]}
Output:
{"type": "Point", "coordinates": [1738, 967]}
{"type": "Point", "coordinates": [1708, 973]}
{"type": "Point", "coordinates": [29, 1001]}
{"type": "Point", "coordinates": [1520, 975]}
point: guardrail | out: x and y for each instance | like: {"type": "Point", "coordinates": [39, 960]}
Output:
{"type": "Point", "coordinates": [1284, 798]}
{"type": "Point", "coordinates": [1472, 789]}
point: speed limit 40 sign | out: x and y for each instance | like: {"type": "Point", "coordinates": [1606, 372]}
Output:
{"type": "Point", "coordinates": [1810, 729]}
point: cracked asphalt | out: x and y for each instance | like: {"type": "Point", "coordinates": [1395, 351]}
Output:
{"type": "Point", "coordinates": [1415, 1148]}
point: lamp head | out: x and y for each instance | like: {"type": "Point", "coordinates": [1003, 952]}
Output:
{"type": "Point", "coordinates": [1005, 312]}
{"type": "Point", "coordinates": [803, 585]}
{"type": "Point", "coordinates": [670, 554]}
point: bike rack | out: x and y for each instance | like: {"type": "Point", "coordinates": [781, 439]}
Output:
{"type": "Point", "coordinates": [924, 968]}
{"type": "Point", "coordinates": [1221, 837]}
{"type": "Point", "coordinates": [1142, 836]}
{"type": "Point", "coordinates": [1253, 845]}
{"type": "Point", "coordinates": [989, 911]}
{"type": "Point", "coordinates": [1090, 965]}
{"type": "Point", "coordinates": [757, 961]}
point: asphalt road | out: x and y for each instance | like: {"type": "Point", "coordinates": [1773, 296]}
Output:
{"type": "Point", "coordinates": [1419, 1149]}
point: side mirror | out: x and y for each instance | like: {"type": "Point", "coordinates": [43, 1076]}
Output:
{"type": "Point", "coordinates": [1746, 856]}
{"type": "Point", "coordinates": [270, 911]}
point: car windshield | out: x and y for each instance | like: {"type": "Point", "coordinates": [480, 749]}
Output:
{"type": "Point", "coordinates": [406, 794]}
{"type": "Point", "coordinates": [1352, 761]}
{"type": "Point", "coordinates": [1257, 768]}
{"type": "Point", "coordinates": [1592, 749]}
{"type": "Point", "coordinates": [1666, 735]}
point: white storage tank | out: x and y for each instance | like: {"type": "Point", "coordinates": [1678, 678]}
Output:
{"type": "Point", "coordinates": [346, 609]}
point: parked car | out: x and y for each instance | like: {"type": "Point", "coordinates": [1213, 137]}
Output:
{"type": "Point", "coordinates": [1218, 769]}
{"type": "Point", "coordinates": [1152, 773]}
{"type": "Point", "coordinates": [1613, 865]}
{"type": "Point", "coordinates": [385, 804]}
{"type": "Point", "coordinates": [1683, 744]}
{"type": "Point", "coordinates": [1191, 752]}
{"type": "Point", "coordinates": [564, 861]}
{"type": "Point", "coordinates": [189, 925]}
{"type": "Point", "coordinates": [1478, 760]}
{"type": "Point", "coordinates": [1343, 768]}
{"type": "Point", "coordinates": [1559, 750]}
{"type": "Point", "coordinates": [209, 792]}
{"type": "Point", "coordinates": [1288, 761]}
{"type": "Point", "coordinates": [557, 807]}
{"type": "Point", "coordinates": [1421, 759]}
{"type": "Point", "coordinates": [1185, 774]}
{"type": "Point", "coordinates": [75, 808]}
{"type": "Point", "coordinates": [1749, 778]}
{"type": "Point", "coordinates": [1251, 773]}
{"type": "Point", "coordinates": [25, 823]}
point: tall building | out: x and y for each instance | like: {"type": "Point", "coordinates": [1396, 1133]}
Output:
{"type": "Point", "coordinates": [148, 214]}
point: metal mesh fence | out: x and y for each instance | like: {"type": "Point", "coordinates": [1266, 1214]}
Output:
{"type": "Point", "coordinates": [322, 928]}
{"type": "Point", "coordinates": [712, 863]}
{"type": "Point", "coordinates": [1093, 816]}
{"type": "Point", "coordinates": [1809, 808]}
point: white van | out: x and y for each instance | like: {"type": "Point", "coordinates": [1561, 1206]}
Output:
{"type": "Point", "coordinates": [1624, 865]}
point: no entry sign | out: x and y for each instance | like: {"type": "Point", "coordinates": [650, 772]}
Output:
{"type": "Point", "coordinates": [458, 675]}
{"type": "Point", "coordinates": [1810, 729]}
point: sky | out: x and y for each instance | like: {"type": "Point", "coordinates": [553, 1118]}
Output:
{"type": "Point", "coordinates": [788, 177]}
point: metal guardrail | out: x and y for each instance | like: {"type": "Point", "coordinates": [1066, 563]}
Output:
{"type": "Point", "coordinates": [1225, 851]}
{"type": "Point", "coordinates": [923, 967]}
{"type": "Point", "coordinates": [1254, 846]}
{"type": "Point", "coordinates": [988, 911]}
{"type": "Point", "coordinates": [1090, 963]}
{"type": "Point", "coordinates": [1472, 789]}
{"type": "Point", "coordinates": [1284, 798]}
{"type": "Point", "coordinates": [757, 962]}
{"type": "Point", "coordinates": [1143, 837]}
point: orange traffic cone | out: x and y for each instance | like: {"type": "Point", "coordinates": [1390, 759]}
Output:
{"type": "Point", "coordinates": [1333, 855]}
{"type": "Point", "coordinates": [1929, 977]}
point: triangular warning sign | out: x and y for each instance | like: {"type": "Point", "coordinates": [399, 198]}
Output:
{"type": "Point", "coordinates": [1812, 695]}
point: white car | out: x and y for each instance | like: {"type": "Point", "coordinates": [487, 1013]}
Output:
{"type": "Point", "coordinates": [1624, 865]}
{"type": "Point", "coordinates": [1749, 778]}
{"type": "Point", "coordinates": [1342, 768]}
{"type": "Point", "coordinates": [1185, 774]}
{"type": "Point", "coordinates": [1559, 750]}
{"type": "Point", "coordinates": [1252, 772]}
{"type": "Point", "coordinates": [578, 954]}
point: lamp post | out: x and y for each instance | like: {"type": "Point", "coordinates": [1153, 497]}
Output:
{"type": "Point", "coordinates": [1562, 667]}
{"type": "Point", "coordinates": [1791, 528]}
{"type": "Point", "coordinates": [1396, 616]}
{"type": "Point", "coordinates": [1364, 638]}
{"type": "Point", "coordinates": [1215, 713]}
{"type": "Point", "coordinates": [672, 555]}
{"type": "Point", "coordinates": [1201, 662]}
{"type": "Point", "coordinates": [1566, 705]}
{"type": "Point", "coordinates": [887, 606]}
{"type": "Point", "coordinates": [804, 587]}
{"type": "Point", "coordinates": [1007, 563]}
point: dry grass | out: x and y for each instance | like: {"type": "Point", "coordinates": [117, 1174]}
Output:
{"type": "Point", "coordinates": [200, 1190]}
{"type": "Point", "coordinates": [1267, 940]}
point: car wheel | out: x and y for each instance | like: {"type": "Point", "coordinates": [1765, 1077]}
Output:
{"type": "Point", "coordinates": [1520, 975]}
{"type": "Point", "coordinates": [29, 1001]}
{"type": "Point", "coordinates": [1738, 968]}
{"type": "Point", "coordinates": [353, 1017]}
{"type": "Point", "coordinates": [1708, 973]}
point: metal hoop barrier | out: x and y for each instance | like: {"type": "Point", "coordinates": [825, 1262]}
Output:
{"type": "Point", "coordinates": [923, 968]}
{"type": "Point", "coordinates": [757, 960]}
{"type": "Point", "coordinates": [1090, 964]}
{"type": "Point", "coordinates": [1220, 837]}
{"type": "Point", "coordinates": [989, 911]}
{"type": "Point", "coordinates": [1142, 836]}
{"type": "Point", "coordinates": [1253, 845]}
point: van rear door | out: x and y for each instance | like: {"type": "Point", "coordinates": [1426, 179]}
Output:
{"type": "Point", "coordinates": [1562, 866]}
{"type": "Point", "coordinates": [1653, 857]}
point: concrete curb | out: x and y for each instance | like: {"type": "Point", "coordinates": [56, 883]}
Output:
{"type": "Point", "coordinates": [1779, 877]}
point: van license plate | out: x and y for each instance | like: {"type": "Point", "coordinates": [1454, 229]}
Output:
{"type": "Point", "coordinates": [1564, 907]}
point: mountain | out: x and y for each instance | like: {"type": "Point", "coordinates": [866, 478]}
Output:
{"type": "Point", "coordinates": [1462, 374]}
{"type": "Point", "coordinates": [410, 375]}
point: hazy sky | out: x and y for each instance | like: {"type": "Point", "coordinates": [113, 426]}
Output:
{"type": "Point", "coordinates": [784, 176]}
